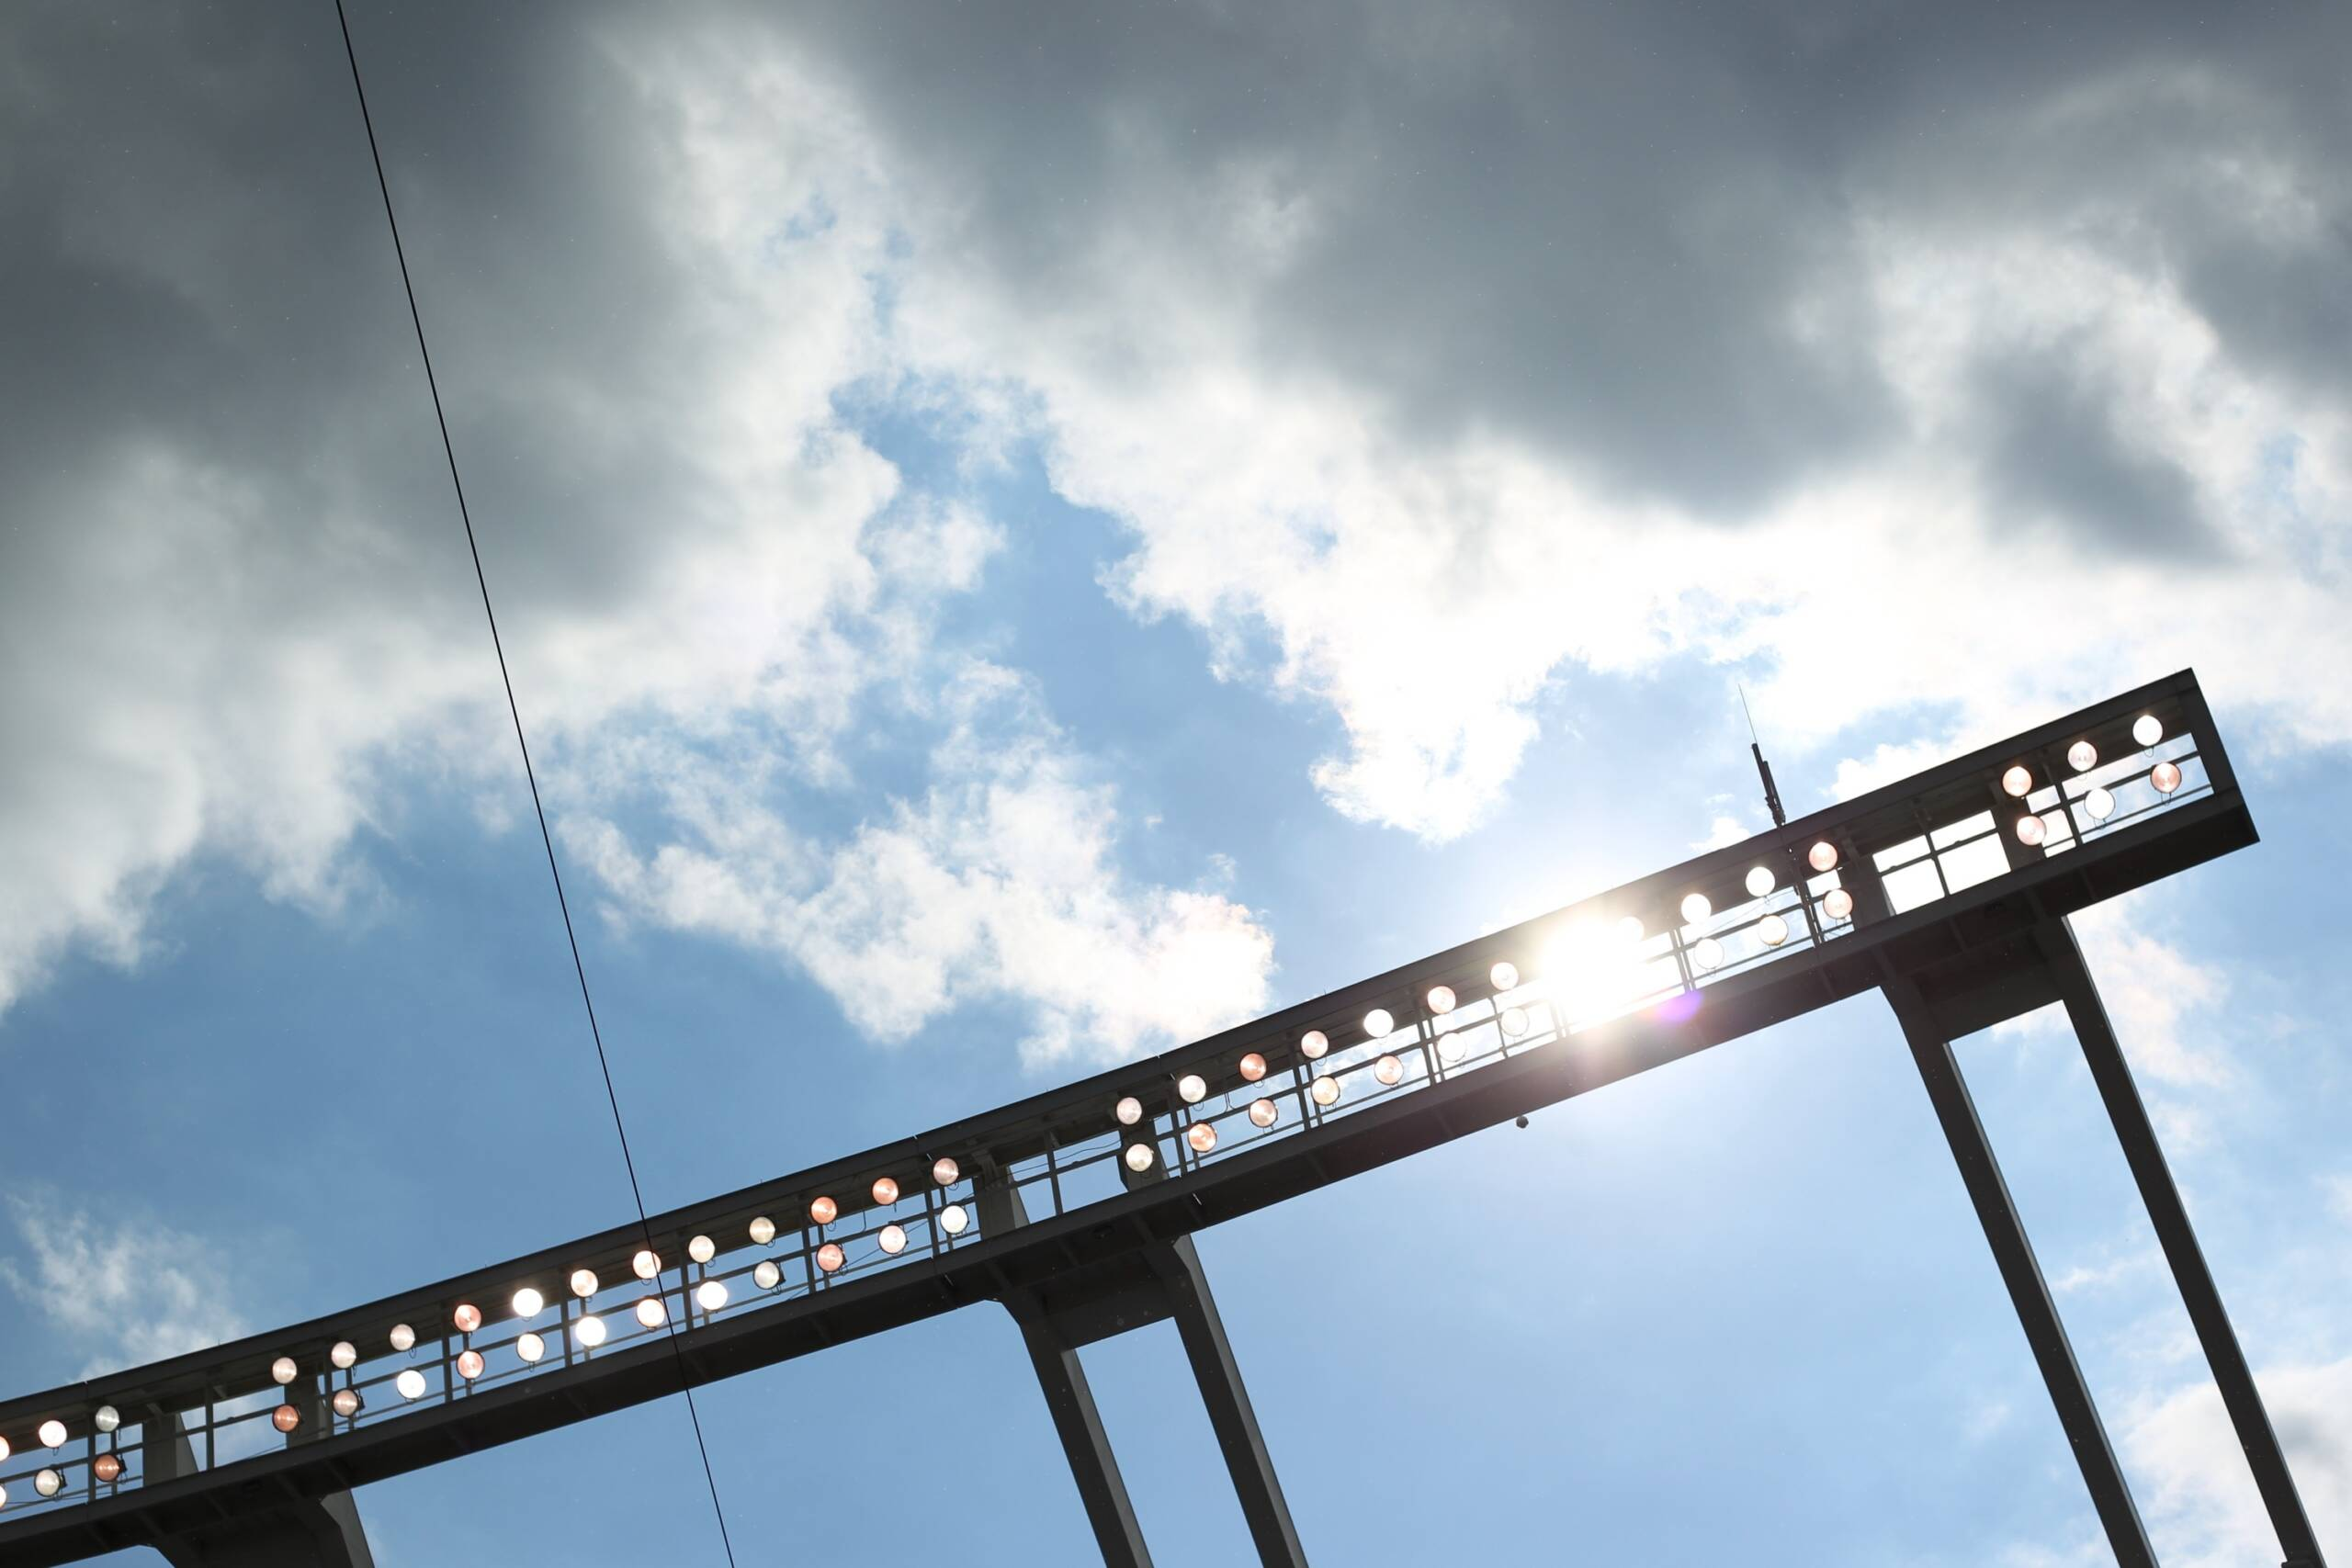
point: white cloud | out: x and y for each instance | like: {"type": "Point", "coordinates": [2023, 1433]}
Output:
{"type": "Point", "coordinates": [2200, 1503]}
{"type": "Point", "coordinates": [2166, 1007]}
{"type": "Point", "coordinates": [124, 1292]}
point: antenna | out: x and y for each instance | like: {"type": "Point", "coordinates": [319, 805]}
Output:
{"type": "Point", "coordinates": [1763, 768]}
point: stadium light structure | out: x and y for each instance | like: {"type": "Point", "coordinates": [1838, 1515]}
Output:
{"type": "Point", "coordinates": [1949, 891]}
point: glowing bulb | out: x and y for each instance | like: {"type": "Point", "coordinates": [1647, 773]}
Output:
{"type": "Point", "coordinates": [1440, 1001]}
{"type": "Point", "coordinates": [1773, 931]}
{"type": "Point", "coordinates": [1838, 904]}
{"type": "Point", "coordinates": [1449, 1047]}
{"type": "Point", "coordinates": [1263, 1112]}
{"type": "Point", "coordinates": [1695, 910]}
{"type": "Point", "coordinates": [530, 1347]}
{"type": "Point", "coordinates": [344, 1354]}
{"type": "Point", "coordinates": [1388, 1070]}
{"type": "Point", "coordinates": [946, 1172]}
{"type": "Point", "coordinates": [652, 1313]}
{"type": "Point", "coordinates": [1759, 880]}
{"type": "Point", "coordinates": [1139, 1157]}
{"type": "Point", "coordinates": [2018, 782]}
{"type": "Point", "coordinates": [106, 1467]}
{"type": "Point", "coordinates": [2082, 756]}
{"type": "Point", "coordinates": [48, 1483]}
{"type": "Point", "coordinates": [281, 1371]}
{"type": "Point", "coordinates": [1326, 1091]}
{"type": "Point", "coordinates": [1514, 1021]}
{"type": "Point", "coordinates": [830, 1257]}
{"type": "Point", "coordinates": [528, 1302]}
{"type": "Point", "coordinates": [403, 1337]}
{"type": "Point", "coordinates": [1630, 929]}
{"type": "Point", "coordinates": [590, 1331]}
{"type": "Point", "coordinates": [1252, 1067]}
{"type": "Point", "coordinates": [1192, 1089]}
{"type": "Point", "coordinates": [824, 1210]}
{"type": "Point", "coordinates": [762, 1231]}
{"type": "Point", "coordinates": [583, 1283]}
{"type": "Point", "coordinates": [1504, 976]}
{"type": "Point", "coordinates": [1823, 856]}
{"type": "Point", "coordinates": [3, 1448]}
{"type": "Point", "coordinates": [1201, 1137]}
{"type": "Point", "coordinates": [2146, 730]}
{"type": "Point", "coordinates": [1130, 1111]}
{"type": "Point", "coordinates": [51, 1434]}
{"type": "Point", "coordinates": [702, 1249]}
{"type": "Point", "coordinates": [411, 1382]}
{"type": "Point", "coordinates": [893, 1239]}
{"type": "Point", "coordinates": [886, 1191]}
{"type": "Point", "coordinates": [646, 1264]}
{"type": "Point", "coordinates": [2030, 831]}
{"type": "Point", "coordinates": [711, 1294]}
{"type": "Point", "coordinates": [2165, 777]}
{"type": "Point", "coordinates": [467, 1317]}
{"type": "Point", "coordinates": [347, 1403]}
{"type": "Point", "coordinates": [107, 1417]}
{"type": "Point", "coordinates": [953, 1219]}
{"type": "Point", "coordinates": [1313, 1043]}
{"type": "Point", "coordinates": [766, 1275]}
{"type": "Point", "coordinates": [4, 1496]}
{"type": "Point", "coordinates": [2100, 804]}
{"type": "Point", "coordinates": [470, 1364]}
{"type": "Point", "coordinates": [1708, 953]}
{"type": "Point", "coordinates": [1378, 1025]}
{"type": "Point", "coordinates": [286, 1417]}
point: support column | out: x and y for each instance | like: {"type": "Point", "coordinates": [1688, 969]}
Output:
{"type": "Point", "coordinates": [2170, 1217]}
{"type": "Point", "coordinates": [2037, 1314]}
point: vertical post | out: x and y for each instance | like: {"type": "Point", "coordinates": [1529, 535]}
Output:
{"type": "Point", "coordinates": [2037, 1314]}
{"type": "Point", "coordinates": [2170, 1218]}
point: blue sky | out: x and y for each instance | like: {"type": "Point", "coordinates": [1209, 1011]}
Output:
{"type": "Point", "coordinates": [1024, 540]}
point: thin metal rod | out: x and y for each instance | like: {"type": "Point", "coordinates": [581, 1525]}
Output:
{"type": "Point", "coordinates": [2037, 1314]}
{"type": "Point", "coordinates": [2170, 1217]}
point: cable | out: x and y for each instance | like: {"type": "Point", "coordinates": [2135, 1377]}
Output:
{"type": "Point", "coordinates": [530, 775]}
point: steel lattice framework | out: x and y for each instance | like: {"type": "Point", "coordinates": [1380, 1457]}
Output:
{"type": "Point", "coordinates": [1948, 890]}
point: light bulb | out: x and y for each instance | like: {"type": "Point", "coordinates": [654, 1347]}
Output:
{"type": "Point", "coordinates": [1139, 1157]}
{"type": "Point", "coordinates": [530, 1347]}
{"type": "Point", "coordinates": [528, 1302]}
{"type": "Point", "coordinates": [411, 1382]}
{"type": "Point", "coordinates": [1378, 1025]}
{"type": "Point", "coordinates": [283, 1370]}
{"type": "Point", "coordinates": [583, 1283]}
{"type": "Point", "coordinates": [1313, 1043]}
{"type": "Point", "coordinates": [886, 1191]}
{"type": "Point", "coordinates": [590, 1331]}
{"type": "Point", "coordinates": [946, 1172]}
{"type": "Point", "coordinates": [953, 1219]}
{"type": "Point", "coordinates": [2146, 730]}
{"type": "Point", "coordinates": [1192, 1089]}
{"type": "Point", "coordinates": [824, 1210]}
{"type": "Point", "coordinates": [647, 1264]}
{"type": "Point", "coordinates": [48, 1483]}
{"type": "Point", "coordinates": [1449, 1047]}
{"type": "Point", "coordinates": [702, 1249]}
{"type": "Point", "coordinates": [893, 1239]}
{"type": "Point", "coordinates": [106, 1467]}
{"type": "Point", "coordinates": [2030, 832]}
{"type": "Point", "coordinates": [1630, 929]}
{"type": "Point", "coordinates": [1838, 904]}
{"type": "Point", "coordinates": [1504, 975]}
{"type": "Point", "coordinates": [1130, 1111]}
{"type": "Point", "coordinates": [107, 1417]}
{"type": "Point", "coordinates": [1695, 908]}
{"type": "Point", "coordinates": [1440, 1001]}
{"type": "Point", "coordinates": [1201, 1137]}
{"type": "Point", "coordinates": [762, 1231]}
{"type": "Point", "coordinates": [766, 1275]}
{"type": "Point", "coordinates": [652, 1313]}
{"type": "Point", "coordinates": [1708, 953]}
{"type": "Point", "coordinates": [1263, 1112]}
{"type": "Point", "coordinates": [1823, 856]}
{"type": "Point", "coordinates": [1773, 931]}
{"type": "Point", "coordinates": [2099, 803]}
{"type": "Point", "coordinates": [1759, 880]}
{"type": "Point", "coordinates": [830, 1257]}
{"type": "Point", "coordinates": [1514, 1021]}
{"type": "Point", "coordinates": [2018, 782]}
{"type": "Point", "coordinates": [711, 1294]}
{"type": "Point", "coordinates": [470, 1364]}
{"type": "Point", "coordinates": [1252, 1067]}
{"type": "Point", "coordinates": [3, 1448]}
{"type": "Point", "coordinates": [2082, 756]}
{"type": "Point", "coordinates": [2165, 777]}
{"type": "Point", "coordinates": [467, 1317]}
{"type": "Point", "coordinates": [1326, 1091]}
{"type": "Point", "coordinates": [347, 1403]}
{"type": "Point", "coordinates": [403, 1337]}
{"type": "Point", "coordinates": [51, 1434]}
{"type": "Point", "coordinates": [1388, 1070]}
{"type": "Point", "coordinates": [286, 1417]}
{"type": "Point", "coordinates": [344, 1354]}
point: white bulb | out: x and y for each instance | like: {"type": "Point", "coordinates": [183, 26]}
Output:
{"type": "Point", "coordinates": [2030, 831]}
{"type": "Point", "coordinates": [1695, 908]}
{"type": "Point", "coordinates": [1514, 1021]}
{"type": "Point", "coordinates": [528, 1302]}
{"type": "Point", "coordinates": [1378, 1025]}
{"type": "Point", "coordinates": [766, 1275]}
{"type": "Point", "coordinates": [583, 1283]}
{"type": "Point", "coordinates": [345, 1355]}
{"type": "Point", "coordinates": [645, 1264]}
{"type": "Point", "coordinates": [1823, 856]}
{"type": "Point", "coordinates": [2099, 803]}
{"type": "Point", "coordinates": [530, 1347]}
{"type": "Point", "coordinates": [710, 1295]}
{"type": "Point", "coordinates": [403, 1337]}
{"type": "Point", "coordinates": [48, 1483]}
{"type": "Point", "coordinates": [51, 1434]}
{"type": "Point", "coordinates": [1708, 953]}
{"type": "Point", "coordinates": [1139, 1157]}
{"type": "Point", "coordinates": [1449, 1047]}
{"type": "Point", "coordinates": [1773, 931]}
{"type": "Point", "coordinates": [1192, 1089]}
{"type": "Point", "coordinates": [762, 1231]}
{"type": "Point", "coordinates": [702, 1249]}
{"type": "Point", "coordinates": [1759, 880]}
{"type": "Point", "coordinates": [2146, 730]}
{"type": "Point", "coordinates": [2082, 756]}
{"type": "Point", "coordinates": [1388, 1070]}
{"type": "Point", "coordinates": [411, 1382]}
{"type": "Point", "coordinates": [946, 1172]}
{"type": "Point", "coordinates": [1264, 1112]}
{"type": "Point", "coordinates": [1130, 1111]}
{"type": "Point", "coordinates": [1313, 1043]}
{"type": "Point", "coordinates": [5, 1450]}
{"type": "Point", "coordinates": [651, 1312]}
{"type": "Point", "coordinates": [1838, 904]}
{"type": "Point", "coordinates": [1326, 1091]}
{"type": "Point", "coordinates": [2018, 782]}
{"type": "Point", "coordinates": [589, 1331]}
{"type": "Point", "coordinates": [282, 1372]}
{"type": "Point", "coordinates": [4, 1496]}
{"type": "Point", "coordinates": [107, 1417]}
{"type": "Point", "coordinates": [893, 1239]}
{"type": "Point", "coordinates": [1504, 975]}
{"type": "Point", "coordinates": [1630, 929]}
{"type": "Point", "coordinates": [1440, 1001]}
{"type": "Point", "coordinates": [953, 1219]}
{"type": "Point", "coordinates": [347, 1402]}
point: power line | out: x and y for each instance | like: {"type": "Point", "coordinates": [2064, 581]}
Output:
{"type": "Point", "coordinates": [546, 840]}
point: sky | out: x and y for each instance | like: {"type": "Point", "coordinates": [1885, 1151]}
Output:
{"type": "Point", "coordinates": [1028, 533]}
